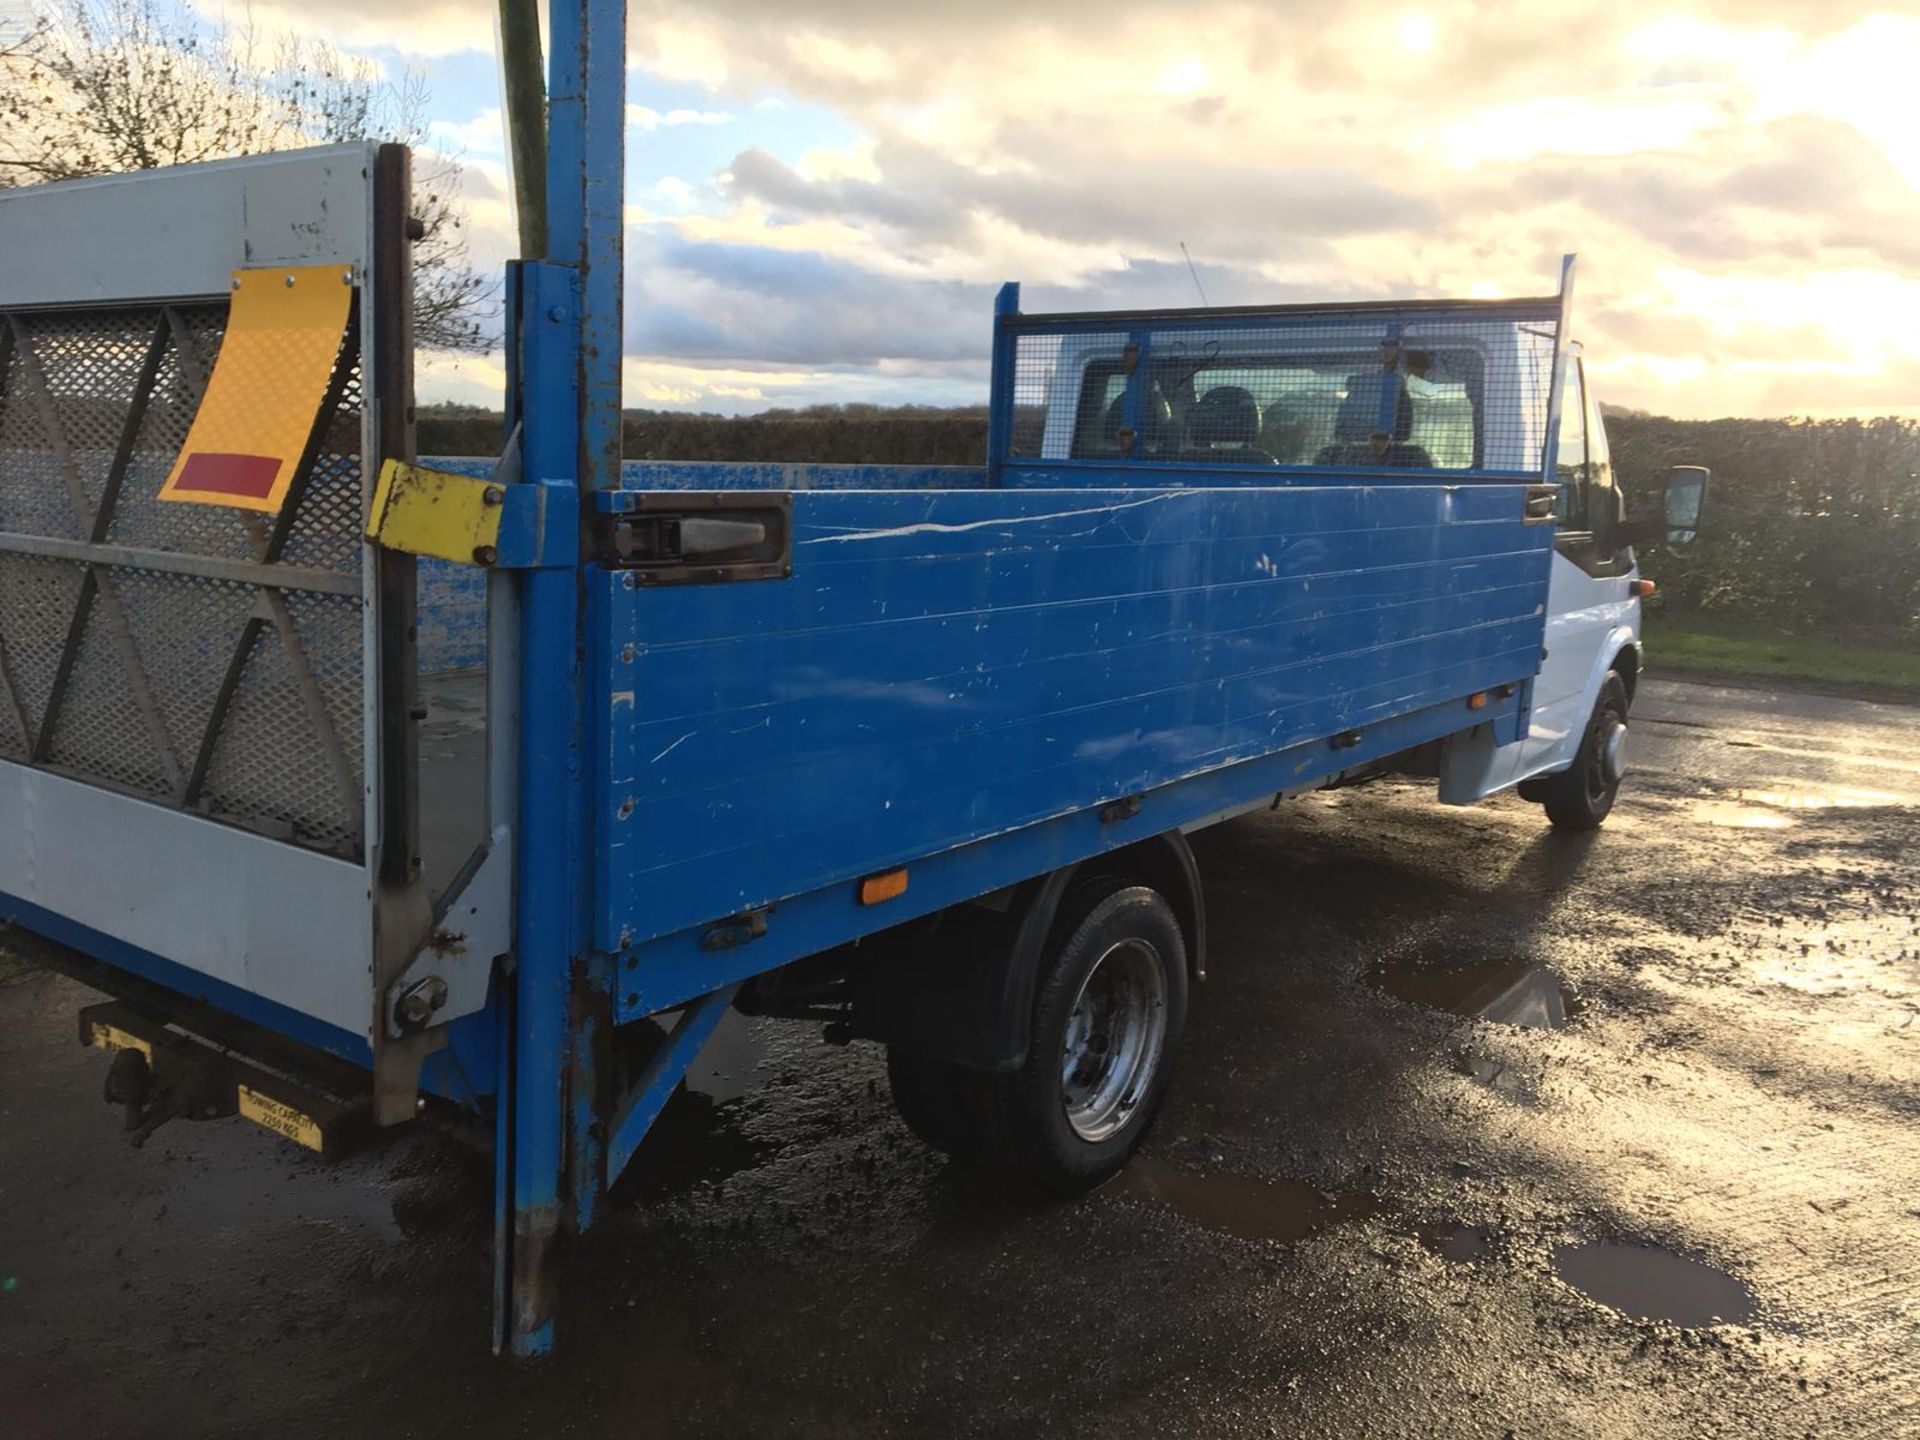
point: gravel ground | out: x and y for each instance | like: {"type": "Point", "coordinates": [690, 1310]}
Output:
{"type": "Point", "coordinates": [1477, 1131]}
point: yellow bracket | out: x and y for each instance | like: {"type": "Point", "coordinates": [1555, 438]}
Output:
{"type": "Point", "coordinates": [431, 512]}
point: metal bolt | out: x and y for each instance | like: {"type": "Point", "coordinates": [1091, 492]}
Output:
{"type": "Point", "coordinates": [626, 654]}
{"type": "Point", "coordinates": [236, 282]}
{"type": "Point", "coordinates": [485, 554]}
{"type": "Point", "coordinates": [630, 580]}
{"type": "Point", "coordinates": [626, 808]}
{"type": "Point", "coordinates": [556, 314]}
{"type": "Point", "coordinates": [421, 999]}
{"type": "Point", "coordinates": [346, 276]}
{"type": "Point", "coordinates": [494, 495]}
{"type": "Point", "coordinates": [289, 282]}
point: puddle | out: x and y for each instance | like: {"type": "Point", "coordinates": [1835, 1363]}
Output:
{"type": "Point", "coordinates": [727, 1066]}
{"type": "Point", "coordinates": [699, 1139]}
{"type": "Point", "coordinates": [696, 1144]}
{"type": "Point", "coordinates": [1840, 797]}
{"type": "Point", "coordinates": [1732, 815]}
{"type": "Point", "coordinates": [1244, 1206]}
{"type": "Point", "coordinates": [1515, 989]}
{"type": "Point", "coordinates": [1456, 1242]}
{"type": "Point", "coordinates": [1650, 1283]}
{"type": "Point", "coordinates": [1777, 809]}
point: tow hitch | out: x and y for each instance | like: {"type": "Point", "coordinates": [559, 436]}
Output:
{"type": "Point", "coordinates": [160, 1073]}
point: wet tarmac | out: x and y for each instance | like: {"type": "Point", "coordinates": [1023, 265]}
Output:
{"type": "Point", "coordinates": [1478, 1131]}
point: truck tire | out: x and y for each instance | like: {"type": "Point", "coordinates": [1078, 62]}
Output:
{"type": "Point", "coordinates": [1110, 1000]}
{"type": "Point", "coordinates": [935, 1098]}
{"type": "Point", "coordinates": [1580, 797]}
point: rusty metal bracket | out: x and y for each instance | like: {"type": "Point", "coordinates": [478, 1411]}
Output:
{"type": "Point", "coordinates": [475, 928]}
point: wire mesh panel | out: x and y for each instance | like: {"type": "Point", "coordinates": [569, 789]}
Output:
{"type": "Point", "coordinates": [205, 657]}
{"type": "Point", "coordinates": [1047, 371]}
{"type": "Point", "coordinates": [1383, 389]}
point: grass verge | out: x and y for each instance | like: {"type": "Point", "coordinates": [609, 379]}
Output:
{"type": "Point", "coordinates": [1716, 648]}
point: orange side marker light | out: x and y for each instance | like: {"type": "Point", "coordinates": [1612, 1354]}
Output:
{"type": "Point", "coordinates": [887, 886]}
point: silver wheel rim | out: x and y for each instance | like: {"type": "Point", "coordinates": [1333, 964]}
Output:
{"type": "Point", "coordinates": [1115, 1032]}
{"type": "Point", "coordinates": [1613, 753]}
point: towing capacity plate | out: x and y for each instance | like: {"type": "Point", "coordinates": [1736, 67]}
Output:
{"type": "Point", "coordinates": [280, 1117]}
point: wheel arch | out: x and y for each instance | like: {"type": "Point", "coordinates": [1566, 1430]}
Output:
{"type": "Point", "coordinates": [1626, 660]}
{"type": "Point", "coordinates": [960, 987]}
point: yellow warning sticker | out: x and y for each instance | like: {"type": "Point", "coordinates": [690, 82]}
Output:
{"type": "Point", "coordinates": [112, 1037]}
{"type": "Point", "coordinates": [280, 1117]}
{"type": "Point", "coordinates": [283, 336]}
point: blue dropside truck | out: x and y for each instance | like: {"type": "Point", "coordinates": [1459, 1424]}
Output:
{"type": "Point", "coordinates": [910, 751]}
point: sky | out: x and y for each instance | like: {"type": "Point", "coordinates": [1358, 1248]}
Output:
{"type": "Point", "coordinates": [823, 195]}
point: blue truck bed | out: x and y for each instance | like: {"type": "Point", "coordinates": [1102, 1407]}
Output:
{"type": "Point", "coordinates": [947, 667]}
{"type": "Point", "coordinates": [957, 678]}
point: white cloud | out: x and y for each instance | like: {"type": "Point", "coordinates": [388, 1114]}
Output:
{"type": "Point", "coordinates": [1740, 175]}
{"type": "Point", "coordinates": [485, 133]}
{"type": "Point", "coordinates": [645, 117]}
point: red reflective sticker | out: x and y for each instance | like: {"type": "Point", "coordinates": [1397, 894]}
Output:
{"type": "Point", "coordinates": [213, 474]}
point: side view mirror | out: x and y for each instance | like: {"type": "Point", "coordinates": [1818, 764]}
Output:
{"type": "Point", "coordinates": [1677, 521]}
{"type": "Point", "coordinates": [1686, 494]}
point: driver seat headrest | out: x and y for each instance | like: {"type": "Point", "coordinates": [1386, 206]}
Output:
{"type": "Point", "coordinates": [1225, 415]}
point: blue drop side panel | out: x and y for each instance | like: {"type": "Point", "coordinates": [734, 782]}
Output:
{"type": "Point", "coordinates": [672, 970]}
{"type": "Point", "coordinates": [952, 665]}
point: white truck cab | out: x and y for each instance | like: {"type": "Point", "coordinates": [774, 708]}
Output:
{"type": "Point", "coordinates": [1575, 751]}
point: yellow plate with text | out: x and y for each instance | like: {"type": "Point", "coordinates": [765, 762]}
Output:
{"type": "Point", "coordinates": [280, 1117]}
{"type": "Point", "coordinates": [111, 1037]}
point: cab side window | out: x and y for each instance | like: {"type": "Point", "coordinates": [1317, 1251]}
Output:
{"type": "Point", "coordinates": [1571, 466]}
{"type": "Point", "coordinates": [1604, 507]}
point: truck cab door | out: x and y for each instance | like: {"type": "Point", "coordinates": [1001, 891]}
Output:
{"type": "Point", "coordinates": [1587, 599]}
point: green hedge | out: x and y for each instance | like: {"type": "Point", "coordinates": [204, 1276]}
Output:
{"type": "Point", "coordinates": [1813, 525]}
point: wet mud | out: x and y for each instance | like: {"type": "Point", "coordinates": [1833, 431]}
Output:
{"type": "Point", "coordinates": [1478, 1130]}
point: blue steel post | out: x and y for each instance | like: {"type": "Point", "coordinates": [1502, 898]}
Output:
{"type": "Point", "coordinates": [569, 396]}
{"type": "Point", "coordinates": [595, 224]}
{"type": "Point", "coordinates": [1000, 399]}
{"type": "Point", "coordinates": [1139, 381]}
{"type": "Point", "coordinates": [551, 807]}
{"type": "Point", "coordinates": [1388, 414]}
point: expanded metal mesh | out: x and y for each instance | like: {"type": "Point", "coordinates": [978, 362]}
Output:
{"type": "Point", "coordinates": [240, 699]}
{"type": "Point", "coordinates": [1442, 392]}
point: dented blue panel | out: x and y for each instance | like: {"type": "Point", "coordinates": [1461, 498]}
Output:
{"type": "Point", "coordinates": [952, 665]}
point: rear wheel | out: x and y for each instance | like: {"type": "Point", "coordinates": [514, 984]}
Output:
{"type": "Point", "coordinates": [1580, 797]}
{"type": "Point", "coordinates": [1109, 1005]}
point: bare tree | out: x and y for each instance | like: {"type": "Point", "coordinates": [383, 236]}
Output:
{"type": "Point", "coordinates": [98, 87]}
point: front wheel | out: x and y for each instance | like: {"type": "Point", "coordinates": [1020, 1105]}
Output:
{"type": "Point", "coordinates": [1109, 1006]}
{"type": "Point", "coordinates": [1581, 796]}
